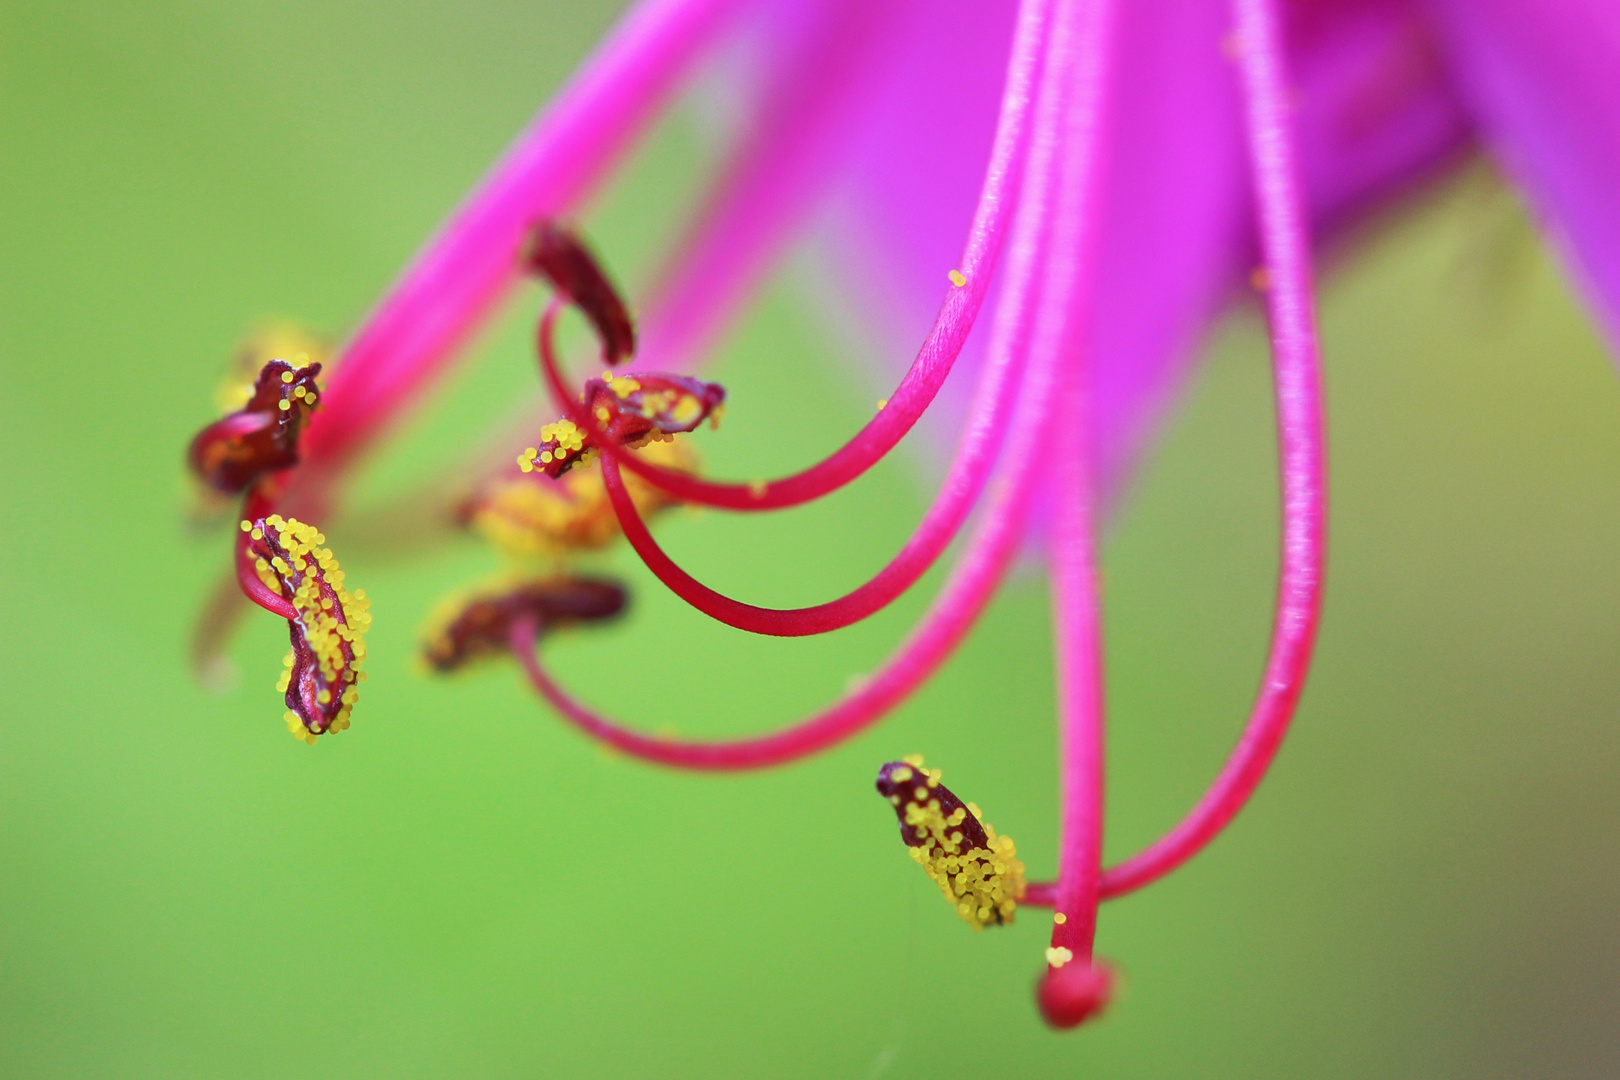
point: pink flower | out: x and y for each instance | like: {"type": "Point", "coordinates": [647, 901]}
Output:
{"type": "Point", "coordinates": [1147, 162]}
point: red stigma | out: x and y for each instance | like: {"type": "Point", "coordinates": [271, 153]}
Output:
{"type": "Point", "coordinates": [233, 453]}
{"type": "Point", "coordinates": [1074, 993]}
{"type": "Point", "coordinates": [560, 257]}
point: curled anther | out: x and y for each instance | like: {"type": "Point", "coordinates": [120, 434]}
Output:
{"type": "Point", "coordinates": [633, 410]}
{"type": "Point", "coordinates": [558, 255]}
{"type": "Point", "coordinates": [978, 871]}
{"type": "Point", "coordinates": [233, 453]}
{"type": "Point", "coordinates": [480, 626]}
{"type": "Point", "coordinates": [328, 627]}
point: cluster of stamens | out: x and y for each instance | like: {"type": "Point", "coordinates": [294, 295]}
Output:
{"type": "Point", "coordinates": [560, 506]}
{"type": "Point", "coordinates": [977, 870]}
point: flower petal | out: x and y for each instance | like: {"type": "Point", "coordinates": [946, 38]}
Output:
{"type": "Point", "coordinates": [1176, 240]}
{"type": "Point", "coordinates": [1542, 78]}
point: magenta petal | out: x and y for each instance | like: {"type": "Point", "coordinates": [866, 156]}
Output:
{"type": "Point", "coordinates": [1177, 240]}
{"type": "Point", "coordinates": [1542, 78]}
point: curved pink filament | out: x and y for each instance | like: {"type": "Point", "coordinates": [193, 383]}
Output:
{"type": "Point", "coordinates": [964, 482]}
{"type": "Point", "coordinates": [973, 580]}
{"type": "Point", "coordinates": [1296, 365]}
{"type": "Point", "coordinates": [1077, 624]}
{"type": "Point", "coordinates": [467, 267]}
{"type": "Point", "coordinates": [256, 506]}
{"type": "Point", "coordinates": [254, 589]}
{"type": "Point", "coordinates": [763, 190]}
{"type": "Point", "coordinates": [939, 350]}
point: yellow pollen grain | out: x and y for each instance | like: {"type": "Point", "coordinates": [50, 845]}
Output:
{"type": "Point", "coordinates": [287, 376]}
{"type": "Point", "coordinates": [958, 278]}
{"type": "Point", "coordinates": [883, 403]}
{"type": "Point", "coordinates": [1059, 918]}
{"type": "Point", "coordinates": [1057, 955]}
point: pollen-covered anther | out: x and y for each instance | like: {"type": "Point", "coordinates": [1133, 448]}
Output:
{"type": "Point", "coordinates": [558, 255]}
{"type": "Point", "coordinates": [278, 340]}
{"type": "Point", "coordinates": [977, 870]}
{"type": "Point", "coordinates": [634, 410]}
{"type": "Point", "coordinates": [479, 625]}
{"type": "Point", "coordinates": [232, 453]}
{"type": "Point", "coordinates": [322, 670]}
{"type": "Point", "coordinates": [536, 517]}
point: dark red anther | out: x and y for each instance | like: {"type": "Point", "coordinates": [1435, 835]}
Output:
{"type": "Point", "coordinates": [633, 409]}
{"type": "Point", "coordinates": [231, 454]}
{"type": "Point", "coordinates": [560, 257]}
{"type": "Point", "coordinates": [482, 627]}
{"type": "Point", "coordinates": [975, 869]}
{"type": "Point", "coordinates": [910, 786]}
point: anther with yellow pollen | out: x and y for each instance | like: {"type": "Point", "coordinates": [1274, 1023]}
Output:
{"type": "Point", "coordinates": [261, 437]}
{"type": "Point", "coordinates": [327, 627]}
{"type": "Point", "coordinates": [976, 869]}
{"type": "Point", "coordinates": [633, 411]}
{"type": "Point", "coordinates": [479, 626]}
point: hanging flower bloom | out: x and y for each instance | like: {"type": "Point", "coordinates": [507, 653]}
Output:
{"type": "Point", "coordinates": [1145, 163]}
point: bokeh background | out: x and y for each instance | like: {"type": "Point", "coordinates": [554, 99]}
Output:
{"type": "Point", "coordinates": [460, 886]}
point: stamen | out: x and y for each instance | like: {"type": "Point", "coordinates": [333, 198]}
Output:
{"type": "Point", "coordinates": [629, 411]}
{"type": "Point", "coordinates": [1296, 366]}
{"type": "Point", "coordinates": [978, 871]}
{"type": "Point", "coordinates": [559, 256]}
{"type": "Point", "coordinates": [327, 626]}
{"type": "Point", "coordinates": [1073, 988]}
{"type": "Point", "coordinates": [983, 435]}
{"type": "Point", "coordinates": [233, 453]}
{"type": "Point", "coordinates": [973, 580]}
{"type": "Point", "coordinates": [480, 626]}
{"type": "Point", "coordinates": [277, 340]}
{"type": "Point", "coordinates": [958, 311]}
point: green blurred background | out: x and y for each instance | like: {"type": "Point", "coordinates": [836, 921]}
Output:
{"type": "Point", "coordinates": [460, 886]}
